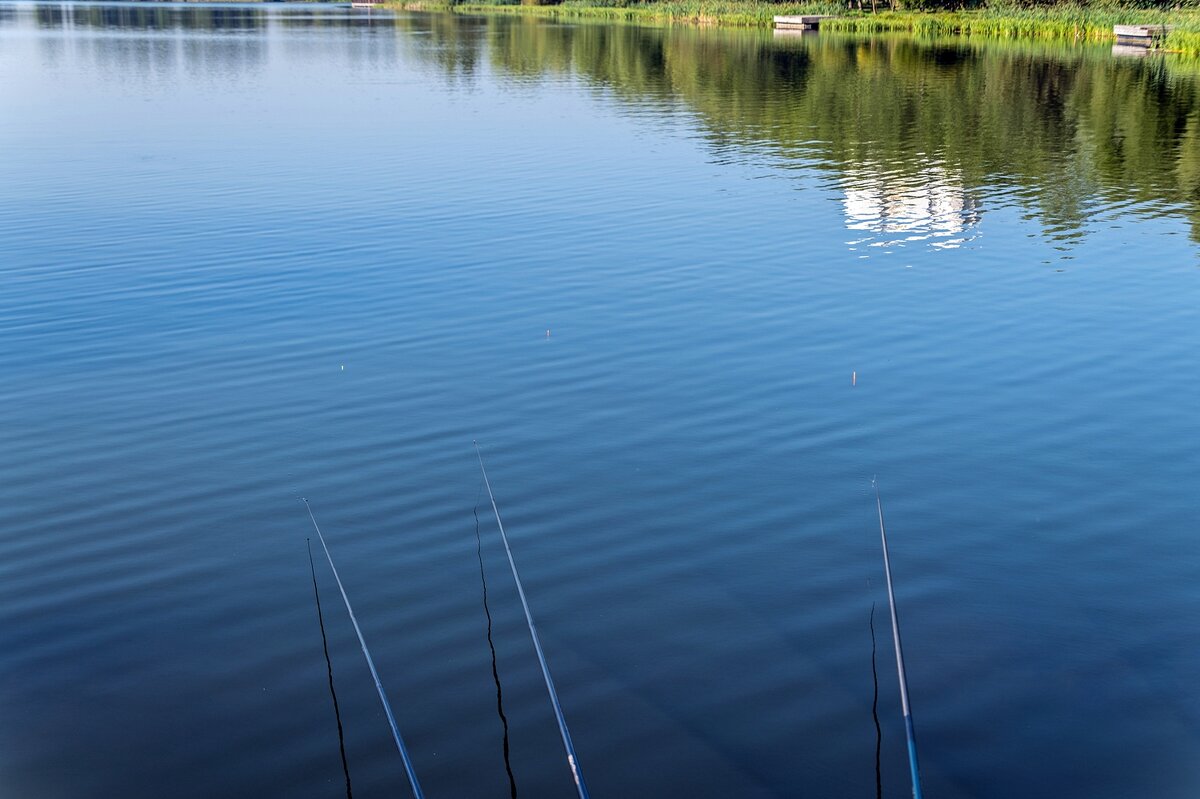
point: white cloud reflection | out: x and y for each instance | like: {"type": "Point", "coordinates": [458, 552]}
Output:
{"type": "Point", "coordinates": [890, 208]}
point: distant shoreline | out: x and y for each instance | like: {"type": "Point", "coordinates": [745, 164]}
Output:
{"type": "Point", "coordinates": [1063, 23]}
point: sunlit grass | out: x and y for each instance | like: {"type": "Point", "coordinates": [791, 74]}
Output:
{"type": "Point", "coordinates": [1185, 38]}
{"type": "Point", "coordinates": [739, 13]}
{"type": "Point", "coordinates": [1070, 22]}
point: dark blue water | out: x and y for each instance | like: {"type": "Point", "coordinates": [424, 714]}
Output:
{"type": "Point", "coordinates": [252, 254]}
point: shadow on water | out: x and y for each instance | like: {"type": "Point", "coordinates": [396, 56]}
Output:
{"type": "Point", "coordinates": [512, 780]}
{"type": "Point", "coordinates": [875, 709]}
{"type": "Point", "coordinates": [337, 713]}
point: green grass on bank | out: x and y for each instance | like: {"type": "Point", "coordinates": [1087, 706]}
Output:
{"type": "Point", "coordinates": [732, 13]}
{"type": "Point", "coordinates": [1066, 22]}
{"type": "Point", "coordinates": [1069, 22]}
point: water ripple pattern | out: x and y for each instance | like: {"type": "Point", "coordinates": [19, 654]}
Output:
{"type": "Point", "coordinates": [693, 288]}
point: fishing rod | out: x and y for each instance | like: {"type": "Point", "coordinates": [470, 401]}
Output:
{"type": "Point", "coordinates": [572, 758]}
{"type": "Point", "coordinates": [908, 722]}
{"type": "Point", "coordinates": [408, 766]}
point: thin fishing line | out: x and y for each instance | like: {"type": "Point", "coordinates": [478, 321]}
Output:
{"type": "Point", "coordinates": [512, 780]}
{"type": "Point", "coordinates": [909, 732]}
{"type": "Point", "coordinates": [337, 713]}
{"type": "Point", "coordinates": [572, 758]}
{"type": "Point", "coordinates": [387, 708]}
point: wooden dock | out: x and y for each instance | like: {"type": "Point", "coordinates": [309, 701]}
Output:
{"type": "Point", "coordinates": [1140, 35]}
{"type": "Point", "coordinates": [806, 22]}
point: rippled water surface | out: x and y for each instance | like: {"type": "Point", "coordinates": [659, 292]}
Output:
{"type": "Point", "coordinates": [690, 290]}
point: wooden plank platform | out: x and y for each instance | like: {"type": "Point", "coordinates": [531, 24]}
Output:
{"type": "Point", "coordinates": [1140, 35]}
{"type": "Point", "coordinates": [805, 22]}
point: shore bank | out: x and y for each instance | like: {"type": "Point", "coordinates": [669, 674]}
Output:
{"type": "Point", "coordinates": [1070, 23]}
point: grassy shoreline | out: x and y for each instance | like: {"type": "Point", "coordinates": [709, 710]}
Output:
{"type": "Point", "coordinates": [1068, 22]}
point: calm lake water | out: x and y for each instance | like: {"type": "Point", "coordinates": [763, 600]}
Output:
{"type": "Point", "coordinates": [254, 253]}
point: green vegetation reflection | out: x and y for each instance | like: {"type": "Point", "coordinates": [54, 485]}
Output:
{"type": "Point", "coordinates": [1067, 134]}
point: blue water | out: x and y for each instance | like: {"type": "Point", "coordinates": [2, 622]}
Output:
{"type": "Point", "coordinates": [255, 253]}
